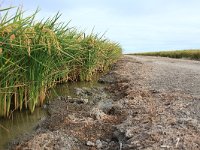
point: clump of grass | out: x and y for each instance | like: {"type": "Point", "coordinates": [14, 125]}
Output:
{"type": "Point", "coordinates": [190, 54]}
{"type": "Point", "coordinates": [35, 56]}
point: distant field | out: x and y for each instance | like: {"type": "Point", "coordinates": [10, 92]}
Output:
{"type": "Point", "coordinates": [191, 54]}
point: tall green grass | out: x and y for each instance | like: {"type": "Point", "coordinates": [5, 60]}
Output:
{"type": "Point", "coordinates": [35, 56]}
{"type": "Point", "coordinates": [190, 54]}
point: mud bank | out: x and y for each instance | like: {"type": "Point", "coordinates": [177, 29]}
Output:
{"type": "Point", "coordinates": [85, 121]}
{"type": "Point", "coordinates": [128, 113]}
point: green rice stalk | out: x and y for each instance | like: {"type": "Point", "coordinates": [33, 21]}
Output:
{"type": "Point", "coordinates": [35, 56]}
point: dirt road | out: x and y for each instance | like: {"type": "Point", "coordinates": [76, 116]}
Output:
{"type": "Point", "coordinates": [162, 98]}
{"type": "Point", "coordinates": [174, 99]}
{"type": "Point", "coordinates": [173, 74]}
{"type": "Point", "coordinates": [148, 103]}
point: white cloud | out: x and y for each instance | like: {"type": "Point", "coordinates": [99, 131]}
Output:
{"type": "Point", "coordinates": [137, 24]}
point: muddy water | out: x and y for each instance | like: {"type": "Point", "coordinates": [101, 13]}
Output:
{"type": "Point", "coordinates": [24, 122]}
{"type": "Point", "coordinates": [21, 123]}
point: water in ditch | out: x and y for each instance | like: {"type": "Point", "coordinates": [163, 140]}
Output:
{"type": "Point", "coordinates": [23, 122]}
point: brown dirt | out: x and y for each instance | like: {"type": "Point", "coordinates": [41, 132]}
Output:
{"type": "Point", "coordinates": [143, 106]}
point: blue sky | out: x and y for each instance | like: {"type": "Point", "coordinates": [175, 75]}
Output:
{"type": "Point", "coordinates": [138, 25]}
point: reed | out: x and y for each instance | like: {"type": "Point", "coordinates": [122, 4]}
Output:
{"type": "Point", "coordinates": [36, 55]}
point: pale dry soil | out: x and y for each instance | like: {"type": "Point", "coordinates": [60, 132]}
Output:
{"type": "Point", "coordinates": [148, 103]}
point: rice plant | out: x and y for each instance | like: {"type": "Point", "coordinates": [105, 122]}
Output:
{"type": "Point", "coordinates": [35, 56]}
{"type": "Point", "coordinates": [190, 54]}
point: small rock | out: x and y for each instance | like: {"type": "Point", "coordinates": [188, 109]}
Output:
{"type": "Point", "coordinates": [79, 91]}
{"type": "Point", "coordinates": [108, 78]}
{"type": "Point", "coordinates": [69, 97]}
{"type": "Point", "coordinates": [62, 98]}
{"type": "Point", "coordinates": [45, 106]}
{"type": "Point", "coordinates": [104, 144]}
{"type": "Point", "coordinates": [98, 114]}
{"type": "Point", "coordinates": [99, 144]}
{"type": "Point", "coordinates": [71, 117]}
{"type": "Point", "coordinates": [85, 100]}
{"type": "Point", "coordinates": [129, 133]}
{"type": "Point", "coordinates": [105, 106]}
{"type": "Point", "coordinates": [89, 143]}
{"type": "Point", "coordinates": [78, 100]}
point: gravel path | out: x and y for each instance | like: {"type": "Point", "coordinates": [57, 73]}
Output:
{"type": "Point", "coordinates": [173, 74]}
{"type": "Point", "coordinates": [162, 98]}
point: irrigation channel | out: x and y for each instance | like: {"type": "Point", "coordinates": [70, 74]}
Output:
{"type": "Point", "coordinates": [23, 122]}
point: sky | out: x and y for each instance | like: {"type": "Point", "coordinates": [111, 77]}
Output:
{"type": "Point", "coordinates": [138, 25]}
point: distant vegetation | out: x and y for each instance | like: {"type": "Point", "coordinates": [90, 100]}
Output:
{"type": "Point", "coordinates": [36, 55]}
{"type": "Point", "coordinates": [191, 54]}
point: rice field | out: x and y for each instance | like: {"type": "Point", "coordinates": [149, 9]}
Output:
{"type": "Point", "coordinates": [190, 54]}
{"type": "Point", "coordinates": [37, 55]}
